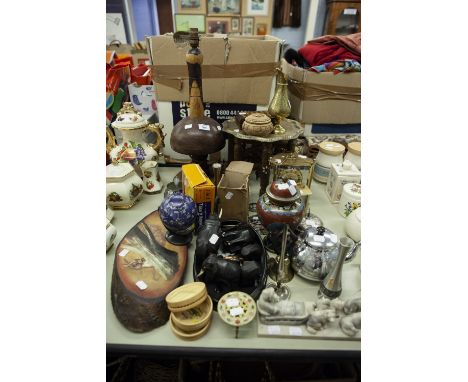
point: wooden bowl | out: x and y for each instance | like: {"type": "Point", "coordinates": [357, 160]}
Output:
{"type": "Point", "coordinates": [193, 319]}
{"type": "Point", "coordinates": [189, 336]}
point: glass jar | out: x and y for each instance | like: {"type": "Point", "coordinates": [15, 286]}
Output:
{"type": "Point", "coordinates": [329, 153]}
{"type": "Point", "coordinates": [354, 154]}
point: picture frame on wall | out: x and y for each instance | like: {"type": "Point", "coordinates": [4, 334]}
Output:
{"type": "Point", "coordinates": [184, 22]}
{"type": "Point", "coordinates": [235, 24]}
{"type": "Point", "coordinates": [261, 29]}
{"type": "Point", "coordinates": [191, 6]}
{"type": "Point", "coordinates": [248, 26]}
{"type": "Point", "coordinates": [223, 7]}
{"type": "Point", "coordinates": [218, 25]}
{"type": "Point", "coordinates": [258, 7]}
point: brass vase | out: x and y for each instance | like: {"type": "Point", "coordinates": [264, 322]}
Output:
{"type": "Point", "coordinates": [280, 107]}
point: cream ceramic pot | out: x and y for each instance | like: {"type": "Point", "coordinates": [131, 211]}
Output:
{"type": "Point", "coordinates": [350, 199]}
{"type": "Point", "coordinates": [354, 154]}
{"type": "Point", "coordinates": [123, 185]}
{"type": "Point", "coordinates": [353, 225]}
{"type": "Point", "coordinates": [329, 153]}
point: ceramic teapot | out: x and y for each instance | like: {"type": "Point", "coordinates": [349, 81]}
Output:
{"type": "Point", "coordinates": [133, 126]}
{"type": "Point", "coordinates": [315, 252]}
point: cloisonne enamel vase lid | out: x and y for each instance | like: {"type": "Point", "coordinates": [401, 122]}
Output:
{"type": "Point", "coordinates": [178, 212]}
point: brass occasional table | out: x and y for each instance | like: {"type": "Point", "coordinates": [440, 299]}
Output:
{"type": "Point", "coordinates": [237, 142]}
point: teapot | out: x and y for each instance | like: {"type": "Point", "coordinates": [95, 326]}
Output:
{"type": "Point", "coordinates": [315, 252]}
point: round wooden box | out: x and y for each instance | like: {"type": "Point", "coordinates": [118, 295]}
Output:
{"type": "Point", "coordinates": [191, 309]}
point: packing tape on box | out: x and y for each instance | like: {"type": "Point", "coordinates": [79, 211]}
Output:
{"type": "Point", "coordinates": [309, 92]}
{"type": "Point", "coordinates": [173, 75]}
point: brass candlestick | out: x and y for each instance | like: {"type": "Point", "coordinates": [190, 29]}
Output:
{"type": "Point", "coordinates": [280, 107]}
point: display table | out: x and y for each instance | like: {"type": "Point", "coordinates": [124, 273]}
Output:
{"type": "Point", "coordinates": [219, 342]}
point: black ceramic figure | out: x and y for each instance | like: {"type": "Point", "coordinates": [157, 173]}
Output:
{"type": "Point", "coordinates": [178, 213]}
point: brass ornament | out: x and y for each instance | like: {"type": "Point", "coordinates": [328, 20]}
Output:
{"type": "Point", "coordinates": [280, 107]}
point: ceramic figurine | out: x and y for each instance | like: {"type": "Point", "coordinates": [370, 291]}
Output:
{"type": "Point", "coordinates": [178, 213]}
{"type": "Point", "coordinates": [273, 310]}
{"type": "Point", "coordinates": [319, 319]}
{"type": "Point", "coordinates": [351, 324]}
{"type": "Point", "coordinates": [352, 306]}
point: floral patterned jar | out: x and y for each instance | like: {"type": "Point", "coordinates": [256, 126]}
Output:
{"type": "Point", "coordinates": [350, 199]}
{"type": "Point", "coordinates": [123, 185]}
{"type": "Point", "coordinates": [329, 153]}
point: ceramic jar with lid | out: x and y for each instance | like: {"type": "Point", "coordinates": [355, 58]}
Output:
{"type": "Point", "coordinates": [257, 124]}
{"type": "Point", "coordinates": [354, 154]}
{"type": "Point", "coordinates": [340, 174]}
{"type": "Point", "coordinates": [123, 186]}
{"type": "Point", "coordinates": [329, 153]}
{"type": "Point", "coordinates": [350, 199]}
{"type": "Point", "coordinates": [191, 310]}
{"type": "Point", "coordinates": [281, 203]}
{"type": "Point", "coordinates": [111, 233]}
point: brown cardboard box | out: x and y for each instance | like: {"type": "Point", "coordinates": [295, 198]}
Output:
{"type": "Point", "coordinates": [323, 97]}
{"type": "Point", "coordinates": [233, 191]}
{"type": "Point", "coordinates": [247, 77]}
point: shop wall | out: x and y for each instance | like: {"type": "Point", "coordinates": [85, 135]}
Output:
{"type": "Point", "coordinates": [295, 37]}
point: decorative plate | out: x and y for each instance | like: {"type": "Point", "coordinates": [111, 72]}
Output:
{"type": "Point", "coordinates": [237, 308]}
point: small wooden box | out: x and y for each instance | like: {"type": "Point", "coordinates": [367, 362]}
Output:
{"type": "Point", "coordinates": [340, 174]}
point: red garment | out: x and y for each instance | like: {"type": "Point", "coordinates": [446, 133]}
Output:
{"type": "Point", "coordinates": [332, 48]}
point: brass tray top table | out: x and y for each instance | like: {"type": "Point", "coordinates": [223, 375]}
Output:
{"type": "Point", "coordinates": [219, 341]}
{"type": "Point", "coordinates": [237, 140]}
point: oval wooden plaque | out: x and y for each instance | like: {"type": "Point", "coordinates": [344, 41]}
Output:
{"type": "Point", "coordinates": [146, 268]}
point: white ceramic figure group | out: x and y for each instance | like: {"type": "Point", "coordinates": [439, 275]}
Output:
{"type": "Point", "coordinates": [316, 316]}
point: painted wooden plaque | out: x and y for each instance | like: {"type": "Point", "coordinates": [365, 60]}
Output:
{"type": "Point", "coordinates": [146, 268]}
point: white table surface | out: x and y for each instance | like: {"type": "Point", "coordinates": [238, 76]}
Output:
{"type": "Point", "coordinates": [221, 336]}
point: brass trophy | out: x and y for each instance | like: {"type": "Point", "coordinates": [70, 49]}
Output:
{"type": "Point", "coordinates": [280, 107]}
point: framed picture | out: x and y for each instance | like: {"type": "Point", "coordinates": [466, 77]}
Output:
{"type": "Point", "coordinates": [184, 22]}
{"type": "Point", "coordinates": [191, 6]}
{"type": "Point", "coordinates": [218, 24]}
{"type": "Point", "coordinates": [224, 7]}
{"type": "Point", "coordinates": [261, 29]}
{"type": "Point", "coordinates": [247, 26]}
{"type": "Point", "coordinates": [257, 7]}
{"type": "Point", "coordinates": [235, 24]}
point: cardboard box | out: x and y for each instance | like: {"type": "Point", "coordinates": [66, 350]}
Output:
{"type": "Point", "coordinates": [233, 191]}
{"type": "Point", "coordinates": [200, 188]}
{"type": "Point", "coordinates": [247, 76]}
{"type": "Point", "coordinates": [323, 97]}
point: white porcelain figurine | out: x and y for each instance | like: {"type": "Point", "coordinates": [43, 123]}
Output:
{"type": "Point", "coordinates": [351, 324]}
